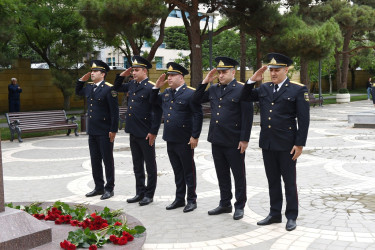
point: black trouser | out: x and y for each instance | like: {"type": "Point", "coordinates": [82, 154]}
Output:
{"type": "Point", "coordinates": [373, 94]}
{"type": "Point", "coordinates": [181, 157]}
{"type": "Point", "coordinates": [226, 159]}
{"type": "Point", "coordinates": [143, 153]}
{"type": "Point", "coordinates": [277, 164]}
{"type": "Point", "coordinates": [14, 105]}
{"type": "Point", "coordinates": [101, 149]}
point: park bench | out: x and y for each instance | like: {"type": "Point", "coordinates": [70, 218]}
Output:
{"type": "Point", "coordinates": [315, 101]}
{"type": "Point", "coordinates": [39, 121]}
{"type": "Point", "coordinates": [122, 111]}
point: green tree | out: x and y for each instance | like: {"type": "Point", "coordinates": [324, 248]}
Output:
{"type": "Point", "coordinates": [356, 21]}
{"type": "Point", "coordinates": [54, 30]}
{"type": "Point", "coordinates": [176, 38]}
{"type": "Point", "coordinates": [8, 20]}
{"type": "Point", "coordinates": [127, 24]}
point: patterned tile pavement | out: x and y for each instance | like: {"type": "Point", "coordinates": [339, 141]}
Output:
{"type": "Point", "coordinates": [335, 178]}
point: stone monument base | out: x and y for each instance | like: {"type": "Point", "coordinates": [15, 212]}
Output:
{"type": "Point", "coordinates": [20, 230]}
{"type": "Point", "coordinates": [363, 119]}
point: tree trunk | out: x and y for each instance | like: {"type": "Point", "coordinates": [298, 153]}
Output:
{"type": "Point", "coordinates": [345, 60]}
{"type": "Point", "coordinates": [258, 40]}
{"type": "Point", "coordinates": [338, 70]}
{"type": "Point", "coordinates": [66, 101]}
{"type": "Point", "coordinates": [243, 56]}
{"type": "Point", "coordinates": [196, 72]}
{"type": "Point", "coordinates": [304, 74]}
{"type": "Point", "coordinates": [353, 78]}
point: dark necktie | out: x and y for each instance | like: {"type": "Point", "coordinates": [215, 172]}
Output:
{"type": "Point", "coordinates": [94, 87]}
{"type": "Point", "coordinates": [276, 87]}
{"type": "Point", "coordinates": [223, 86]}
{"type": "Point", "coordinates": [275, 92]}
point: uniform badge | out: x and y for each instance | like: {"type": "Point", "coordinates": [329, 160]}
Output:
{"type": "Point", "coordinates": [306, 95]}
{"type": "Point", "coordinates": [166, 95]}
{"type": "Point", "coordinates": [114, 93]}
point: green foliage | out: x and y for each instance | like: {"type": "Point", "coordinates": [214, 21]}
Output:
{"type": "Point", "coordinates": [343, 91]}
{"type": "Point", "coordinates": [78, 212]}
{"type": "Point", "coordinates": [85, 238]}
{"type": "Point", "coordinates": [176, 38]}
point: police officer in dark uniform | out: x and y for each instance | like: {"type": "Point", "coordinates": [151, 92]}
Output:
{"type": "Point", "coordinates": [103, 115]}
{"type": "Point", "coordinates": [14, 91]}
{"type": "Point", "coordinates": [182, 126]}
{"type": "Point", "coordinates": [283, 105]}
{"type": "Point", "coordinates": [229, 133]}
{"type": "Point", "coordinates": [142, 123]}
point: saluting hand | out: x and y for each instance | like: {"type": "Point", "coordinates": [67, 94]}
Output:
{"type": "Point", "coordinates": [296, 151]}
{"type": "Point", "coordinates": [112, 136]}
{"type": "Point", "coordinates": [85, 77]}
{"type": "Point", "coordinates": [258, 75]}
{"type": "Point", "coordinates": [126, 72]}
{"type": "Point", "coordinates": [242, 146]}
{"type": "Point", "coordinates": [193, 142]}
{"type": "Point", "coordinates": [210, 77]}
{"type": "Point", "coordinates": [161, 81]}
{"type": "Point", "coordinates": [151, 139]}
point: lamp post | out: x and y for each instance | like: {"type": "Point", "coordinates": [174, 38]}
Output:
{"type": "Point", "coordinates": [210, 34]}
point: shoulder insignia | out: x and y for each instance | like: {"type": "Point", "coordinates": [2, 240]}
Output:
{"type": "Point", "coordinates": [297, 83]}
{"type": "Point", "coordinates": [241, 83]}
{"type": "Point", "coordinates": [306, 96]}
{"type": "Point", "coordinates": [114, 93]}
{"type": "Point", "coordinates": [90, 83]}
{"type": "Point", "coordinates": [191, 88]}
{"type": "Point", "coordinates": [373, 84]}
{"type": "Point", "coordinates": [152, 83]}
{"type": "Point", "coordinates": [108, 84]}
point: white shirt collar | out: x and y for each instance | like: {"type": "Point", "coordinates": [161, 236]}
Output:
{"type": "Point", "coordinates": [281, 84]}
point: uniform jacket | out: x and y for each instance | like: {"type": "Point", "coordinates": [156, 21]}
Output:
{"type": "Point", "coordinates": [231, 119]}
{"type": "Point", "coordinates": [182, 117]}
{"type": "Point", "coordinates": [141, 117]}
{"type": "Point", "coordinates": [14, 92]}
{"type": "Point", "coordinates": [280, 114]}
{"type": "Point", "coordinates": [102, 107]}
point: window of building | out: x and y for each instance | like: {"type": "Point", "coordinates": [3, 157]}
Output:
{"type": "Point", "coordinates": [111, 61]}
{"type": "Point", "coordinates": [126, 62]}
{"type": "Point", "coordinates": [159, 62]}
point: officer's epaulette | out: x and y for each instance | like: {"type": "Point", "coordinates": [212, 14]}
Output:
{"type": "Point", "coordinates": [152, 83]}
{"type": "Point", "coordinates": [191, 88]}
{"type": "Point", "coordinates": [90, 82]}
{"type": "Point", "coordinates": [297, 83]}
{"type": "Point", "coordinates": [241, 83]}
{"type": "Point", "coordinates": [373, 84]}
{"type": "Point", "coordinates": [108, 84]}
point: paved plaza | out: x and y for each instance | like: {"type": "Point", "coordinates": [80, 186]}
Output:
{"type": "Point", "coordinates": [335, 179]}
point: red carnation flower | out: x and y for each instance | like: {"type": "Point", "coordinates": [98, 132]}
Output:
{"type": "Point", "coordinates": [130, 237]}
{"type": "Point", "coordinates": [118, 223]}
{"type": "Point", "coordinates": [93, 247]}
{"type": "Point", "coordinates": [72, 247]}
{"type": "Point", "coordinates": [122, 241]}
{"type": "Point", "coordinates": [112, 238]}
{"type": "Point", "coordinates": [58, 222]}
{"type": "Point", "coordinates": [93, 215]}
{"type": "Point", "coordinates": [74, 223]}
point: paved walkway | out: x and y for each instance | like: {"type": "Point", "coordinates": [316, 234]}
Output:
{"type": "Point", "coordinates": [335, 177]}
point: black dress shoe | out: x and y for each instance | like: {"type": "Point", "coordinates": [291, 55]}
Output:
{"type": "Point", "coordinates": [175, 204]}
{"type": "Point", "coordinates": [107, 195]}
{"type": "Point", "coordinates": [291, 225]}
{"type": "Point", "coordinates": [269, 220]}
{"type": "Point", "coordinates": [238, 214]}
{"type": "Point", "coordinates": [190, 207]}
{"type": "Point", "coordinates": [145, 201]}
{"type": "Point", "coordinates": [94, 193]}
{"type": "Point", "coordinates": [136, 198]}
{"type": "Point", "coordinates": [220, 210]}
